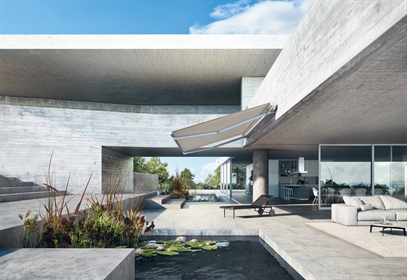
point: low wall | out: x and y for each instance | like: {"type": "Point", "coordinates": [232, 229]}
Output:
{"type": "Point", "coordinates": [143, 182]}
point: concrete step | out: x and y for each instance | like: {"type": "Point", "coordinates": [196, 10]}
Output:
{"type": "Point", "coordinates": [9, 190]}
{"type": "Point", "coordinates": [163, 201]}
{"type": "Point", "coordinates": [15, 184]}
{"type": "Point", "coordinates": [175, 203]}
{"type": "Point", "coordinates": [23, 196]}
{"type": "Point", "coordinates": [12, 189]}
{"type": "Point", "coordinates": [7, 179]}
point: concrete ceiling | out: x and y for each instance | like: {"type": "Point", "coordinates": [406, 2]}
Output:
{"type": "Point", "coordinates": [367, 106]}
{"type": "Point", "coordinates": [364, 104]}
{"type": "Point", "coordinates": [140, 70]}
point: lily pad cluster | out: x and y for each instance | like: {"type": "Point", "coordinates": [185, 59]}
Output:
{"type": "Point", "coordinates": [175, 247]}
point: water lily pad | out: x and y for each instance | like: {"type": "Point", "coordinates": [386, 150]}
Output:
{"type": "Point", "coordinates": [193, 245]}
{"type": "Point", "coordinates": [160, 242]}
{"type": "Point", "coordinates": [149, 254]}
{"type": "Point", "coordinates": [184, 250]}
{"type": "Point", "coordinates": [209, 247]}
{"type": "Point", "coordinates": [174, 248]}
{"type": "Point", "coordinates": [149, 247]}
{"type": "Point", "coordinates": [208, 242]}
{"type": "Point", "coordinates": [168, 253]}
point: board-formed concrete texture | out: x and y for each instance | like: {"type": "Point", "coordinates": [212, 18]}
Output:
{"type": "Point", "coordinates": [103, 264]}
{"type": "Point", "coordinates": [95, 101]}
{"type": "Point", "coordinates": [135, 69]}
{"type": "Point", "coordinates": [340, 78]}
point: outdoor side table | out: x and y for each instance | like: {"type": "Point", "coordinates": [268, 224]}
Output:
{"type": "Point", "coordinates": [390, 226]}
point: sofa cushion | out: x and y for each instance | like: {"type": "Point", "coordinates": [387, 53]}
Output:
{"type": "Point", "coordinates": [376, 215]}
{"type": "Point", "coordinates": [393, 203]}
{"type": "Point", "coordinates": [366, 207]}
{"type": "Point", "coordinates": [375, 201]}
{"type": "Point", "coordinates": [401, 215]}
{"type": "Point", "coordinates": [354, 201]}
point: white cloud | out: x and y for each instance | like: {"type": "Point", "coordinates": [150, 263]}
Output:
{"type": "Point", "coordinates": [230, 9]}
{"type": "Point", "coordinates": [209, 168]}
{"type": "Point", "coordinates": [264, 17]}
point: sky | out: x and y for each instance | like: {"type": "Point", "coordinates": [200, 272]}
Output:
{"type": "Point", "coordinates": [150, 16]}
{"type": "Point", "coordinates": [154, 17]}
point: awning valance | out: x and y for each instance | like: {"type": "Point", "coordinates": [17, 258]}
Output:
{"type": "Point", "coordinates": [220, 131]}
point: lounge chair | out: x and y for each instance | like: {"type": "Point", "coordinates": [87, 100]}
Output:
{"type": "Point", "coordinates": [259, 206]}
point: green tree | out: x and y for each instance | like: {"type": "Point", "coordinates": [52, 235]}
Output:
{"type": "Point", "coordinates": [187, 177]}
{"type": "Point", "coordinates": [213, 179]}
{"type": "Point", "coordinates": [139, 165]}
{"type": "Point", "coordinates": [155, 166]}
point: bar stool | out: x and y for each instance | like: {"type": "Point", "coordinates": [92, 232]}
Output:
{"type": "Point", "coordinates": [288, 192]}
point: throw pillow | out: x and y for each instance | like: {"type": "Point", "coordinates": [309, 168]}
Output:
{"type": "Point", "coordinates": [366, 207]}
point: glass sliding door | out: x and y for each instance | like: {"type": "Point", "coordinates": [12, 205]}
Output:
{"type": "Point", "coordinates": [390, 168]}
{"type": "Point", "coordinates": [344, 170]}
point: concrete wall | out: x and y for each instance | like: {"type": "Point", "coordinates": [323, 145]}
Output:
{"type": "Point", "coordinates": [144, 182]}
{"type": "Point", "coordinates": [29, 135]}
{"type": "Point", "coordinates": [330, 34]}
{"type": "Point", "coordinates": [249, 86]}
{"type": "Point", "coordinates": [117, 171]}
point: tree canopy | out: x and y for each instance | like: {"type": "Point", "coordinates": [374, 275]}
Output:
{"type": "Point", "coordinates": [153, 166]}
{"type": "Point", "coordinates": [187, 177]}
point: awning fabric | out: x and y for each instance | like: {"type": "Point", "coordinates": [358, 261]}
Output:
{"type": "Point", "coordinates": [220, 131]}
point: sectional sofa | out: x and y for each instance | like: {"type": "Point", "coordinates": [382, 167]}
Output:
{"type": "Point", "coordinates": [364, 210]}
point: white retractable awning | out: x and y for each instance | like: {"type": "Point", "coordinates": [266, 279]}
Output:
{"type": "Point", "coordinates": [220, 131]}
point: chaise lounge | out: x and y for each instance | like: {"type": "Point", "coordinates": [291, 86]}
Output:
{"type": "Point", "coordinates": [259, 206]}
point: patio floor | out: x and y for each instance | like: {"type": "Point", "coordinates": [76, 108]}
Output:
{"type": "Point", "coordinates": [312, 253]}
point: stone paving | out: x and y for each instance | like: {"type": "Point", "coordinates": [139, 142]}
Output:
{"type": "Point", "coordinates": [312, 253]}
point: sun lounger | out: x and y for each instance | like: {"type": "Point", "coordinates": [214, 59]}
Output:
{"type": "Point", "coordinates": [259, 206]}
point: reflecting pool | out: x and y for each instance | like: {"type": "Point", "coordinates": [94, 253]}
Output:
{"type": "Point", "coordinates": [242, 259]}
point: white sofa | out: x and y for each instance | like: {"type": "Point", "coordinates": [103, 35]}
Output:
{"type": "Point", "coordinates": [364, 210]}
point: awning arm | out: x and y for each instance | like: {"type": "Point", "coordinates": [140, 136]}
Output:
{"type": "Point", "coordinates": [270, 111]}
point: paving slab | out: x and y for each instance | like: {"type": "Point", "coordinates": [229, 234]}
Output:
{"type": "Point", "coordinates": [67, 264]}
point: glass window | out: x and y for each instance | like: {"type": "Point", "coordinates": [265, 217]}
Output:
{"type": "Point", "coordinates": [390, 168]}
{"type": "Point", "coordinates": [344, 169]}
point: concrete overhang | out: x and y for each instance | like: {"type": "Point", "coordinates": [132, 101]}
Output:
{"type": "Point", "coordinates": [135, 69]}
{"type": "Point", "coordinates": [363, 102]}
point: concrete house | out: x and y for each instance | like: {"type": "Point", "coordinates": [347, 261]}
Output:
{"type": "Point", "coordinates": [337, 88]}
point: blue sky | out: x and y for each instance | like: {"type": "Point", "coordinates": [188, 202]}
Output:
{"type": "Point", "coordinates": [150, 16]}
{"type": "Point", "coordinates": [154, 17]}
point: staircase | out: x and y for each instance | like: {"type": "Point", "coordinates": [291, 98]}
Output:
{"type": "Point", "coordinates": [12, 189]}
{"type": "Point", "coordinates": [163, 202]}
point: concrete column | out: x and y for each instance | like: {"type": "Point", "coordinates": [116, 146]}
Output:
{"type": "Point", "coordinates": [260, 173]}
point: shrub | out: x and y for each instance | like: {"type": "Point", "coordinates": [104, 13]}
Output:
{"type": "Point", "coordinates": [105, 224]}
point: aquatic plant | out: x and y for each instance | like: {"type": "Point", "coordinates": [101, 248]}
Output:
{"type": "Point", "coordinates": [175, 247]}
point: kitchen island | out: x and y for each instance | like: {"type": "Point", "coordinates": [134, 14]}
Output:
{"type": "Point", "coordinates": [300, 192]}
